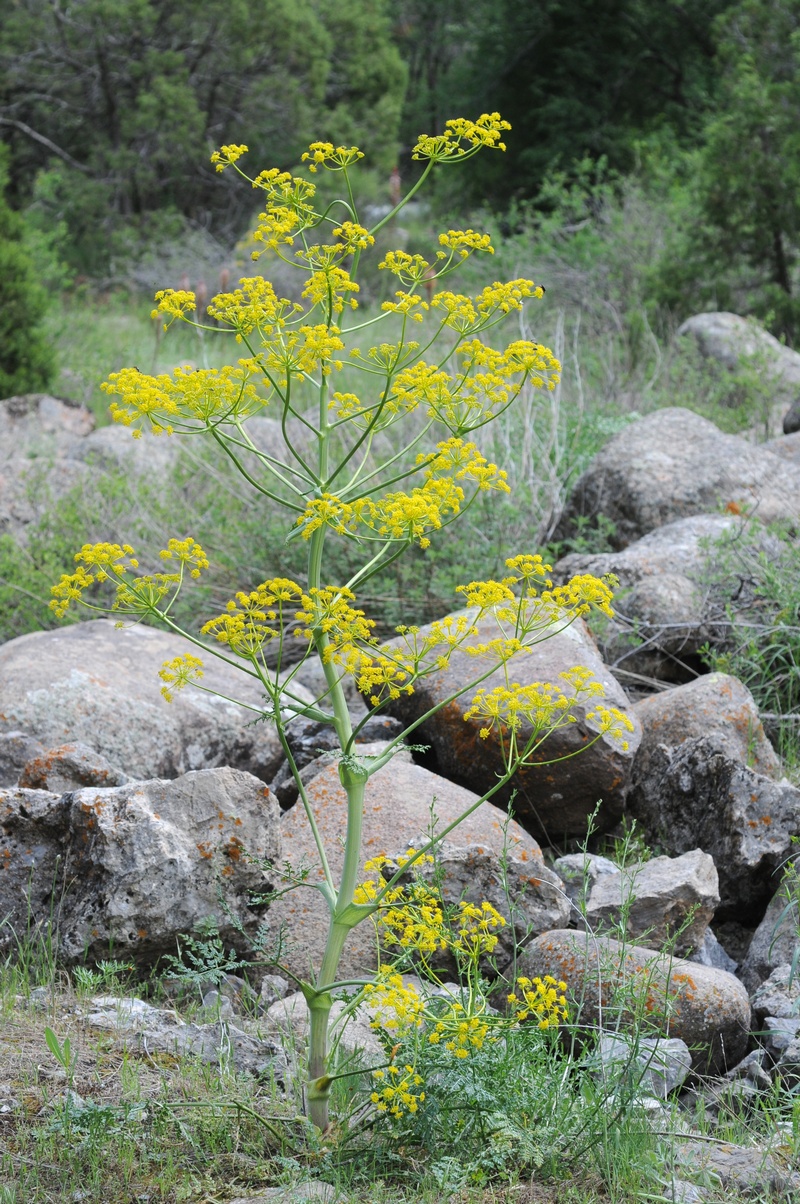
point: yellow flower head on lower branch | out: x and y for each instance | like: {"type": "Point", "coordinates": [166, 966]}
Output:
{"type": "Point", "coordinates": [582, 594]}
{"type": "Point", "coordinates": [396, 1091]}
{"type": "Point", "coordinates": [179, 672]}
{"type": "Point", "coordinates": [412, 918]}
{"type": "Point", "coordinates": [410, 270]}
{"type": "Point", "coordinates": [541, 999]}
{"type": "Point", "coordinates": [477, 928]}
{"type": "Point", "coordinates": [410, 516]}
{"type": "Point", "coordinates": [459, 1032]}
{"type": "Point", "coordinates": [395, 1007]}
{"type": "Point", "coordinates": [189, 400]}
{"type": "Point", "coordinates": [540, 705]}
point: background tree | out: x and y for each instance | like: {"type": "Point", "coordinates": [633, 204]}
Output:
{"type": "Point", "coordinates": [26, 362]}
{"type": "Point", "coordinates": [748, 186]}
{"type": "Point", "coordinates": [128, 97]}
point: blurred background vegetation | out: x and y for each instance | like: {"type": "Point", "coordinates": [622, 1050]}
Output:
{"type": "Point", "coordinates": [653, 170]}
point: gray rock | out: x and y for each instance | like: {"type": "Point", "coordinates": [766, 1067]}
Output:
{"type": "Point", "coordinates": [787, 1065]}
{"type": "Point", "coordinates": [779, 996]}
{"type": "Point", "coordinates": [728, 338]}
{"type": "Point", "coordinates": [580, 872]}
{"type": "Point", "coordinates": [653, 1065]}
{"type": "Point", "coordinates": [753, 1069]}
{"type": "Point", "coordinates": [748, 1170]}
{"type": "Point", "coordinates": [95, 684]}
{"type": "Point", "coordinates": [273, 988]}
{"type": "Point", "coordinates": [297, 1193]}
{"type": "Point", "coordinates": [219, 1044]}
{"type": "Point", "coordinates": [127, 1014]}
{"type": "Point", "coordinates": [673, 463]}
{"type": "Point", "coordinates": [113, 449]}
{"type": "Point", "coordinates": [218, 1005]}
{"type": "Point", "coordinates": [775, 942]}
{"type": "Point", "coordinates": [33, 829]}
{"type": "Point", "coordinates": [552, 802]}
{"type": "Point", "coordinates": [787, 447]}
{"type": "Point", "coordinates": [706, 1008]}
{"type": "Point", "coordinates": [144, 860]}
{"type": "Point", "coordinates": [711, 953]}
{"type": "Point", "coordinates": [662, 899]}
{"type": "Point", "coordinates": [698, 796]}
{"type": "Point", "coordinates": [777, 1033]}
{"type": "Point", "coordinates": [714, 703]}
{"type": "Point", "coordinates": [36, 431]}
{"type": "Point", "coordinates": [70, 767]}
{"type": "Point", "coordinates": [663, 610]}
{"type": "Point", "coordinates": [16, 749]}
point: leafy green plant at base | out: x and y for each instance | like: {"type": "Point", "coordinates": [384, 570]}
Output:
{"type": "Point", "coordinates": [411, 422]}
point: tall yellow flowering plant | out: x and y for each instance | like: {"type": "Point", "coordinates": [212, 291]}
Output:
{"type": "Point", "coordinates": [337, 481]}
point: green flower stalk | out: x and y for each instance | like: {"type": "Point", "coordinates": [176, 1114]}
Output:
{"type": "Point", "coordinates": [436, 390]}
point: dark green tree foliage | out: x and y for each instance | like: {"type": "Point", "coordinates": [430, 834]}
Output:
{"type": "Point", "coordinates": [132, 96]}
{"type": "Point", "coordinates": [748, 186]}
{"type": "Point", "coordinates": [574, 77]}
{"type": "Point", "coordinates": [26, 362]}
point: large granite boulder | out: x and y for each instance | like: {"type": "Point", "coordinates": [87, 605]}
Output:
{"type": "Point", "coordinates": [99, 685]}
{"type": "Point", "coordinates": [552, 799]}
{"type": "Point", "coordinates": [663, 610]}
{"type": "Point", "coordinates": [655, 901]}
{"type": "Point", "coordinates": [36, 433]}
{"type": "Point", "coordinates": [400, 799]}
{"type": "Point", "coordinates": [672, 464]}
{"type": "Point", "coordinates": [698, 796]}
{"type": "Point", "coordinates": [131, 868]}
{"type": "Point", "coordinates": [617, 985]}
{"type": "Point", "coordinates": [728, 338]}
{"type": "Point", "coordinates": [712, 704]}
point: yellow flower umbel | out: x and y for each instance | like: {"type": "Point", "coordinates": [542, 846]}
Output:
{"type": "Point", "coordinates": [539, 999]}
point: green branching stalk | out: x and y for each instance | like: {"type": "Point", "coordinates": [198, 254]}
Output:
{"type": "Point", "coordinates": [387, 503]}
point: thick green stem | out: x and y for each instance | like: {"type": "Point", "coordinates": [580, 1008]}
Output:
{"type": "Point", "coordinates": [319, 1002]}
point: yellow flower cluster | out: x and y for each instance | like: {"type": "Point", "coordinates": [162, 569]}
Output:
{"type": "Point", "coordinates": [252, 620]}
{"type": "Point", "coordinates": [179, 672]}
{"type": "Point", "coordinates": [465, 241]}
{"type": "Point", "coordinates": [541, 706]}
{"type": "Point", "coordinates": [176, 303]}
{"type": "Point", "coordinates": [188, 400]}
{"type": "Point", "coordinates": [353, 236]}
{"type": "Point", "coordinates": [464, 462]}
{"type": "Point", "coordinates": [611, 722]}
{"type": "Point", "coordinates": [410, 269]}
{"type": "Point", "coordinates": [462, 138]}
{"type": "Point", "coordinates": [398, 1094]}
{"type": "Point", "coordinates": [328, 286]}
{"type": "Point", "coordinates": [334, 158]}
{"type": "Point", "coordinates": [186, 552]}
{"type": "Point", "coordinates": [476, 929]}
{"type": "Point", "coordinates": [301, 353]}
{"type": "Point", "coordinates": [394, 1006]}
{"type": "Point", "coordinates": [540, 998]}
{"type": "Point", "coordinates": [459, 1032]}
{"type": "Point", "coordinates": [288, 210]}
{"type": "Point", "coordinates": [253, 306]}
{"type": "Point", "coordinates": [227, 155]}
{"type": "Point", "coordinates": [113, 562]}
